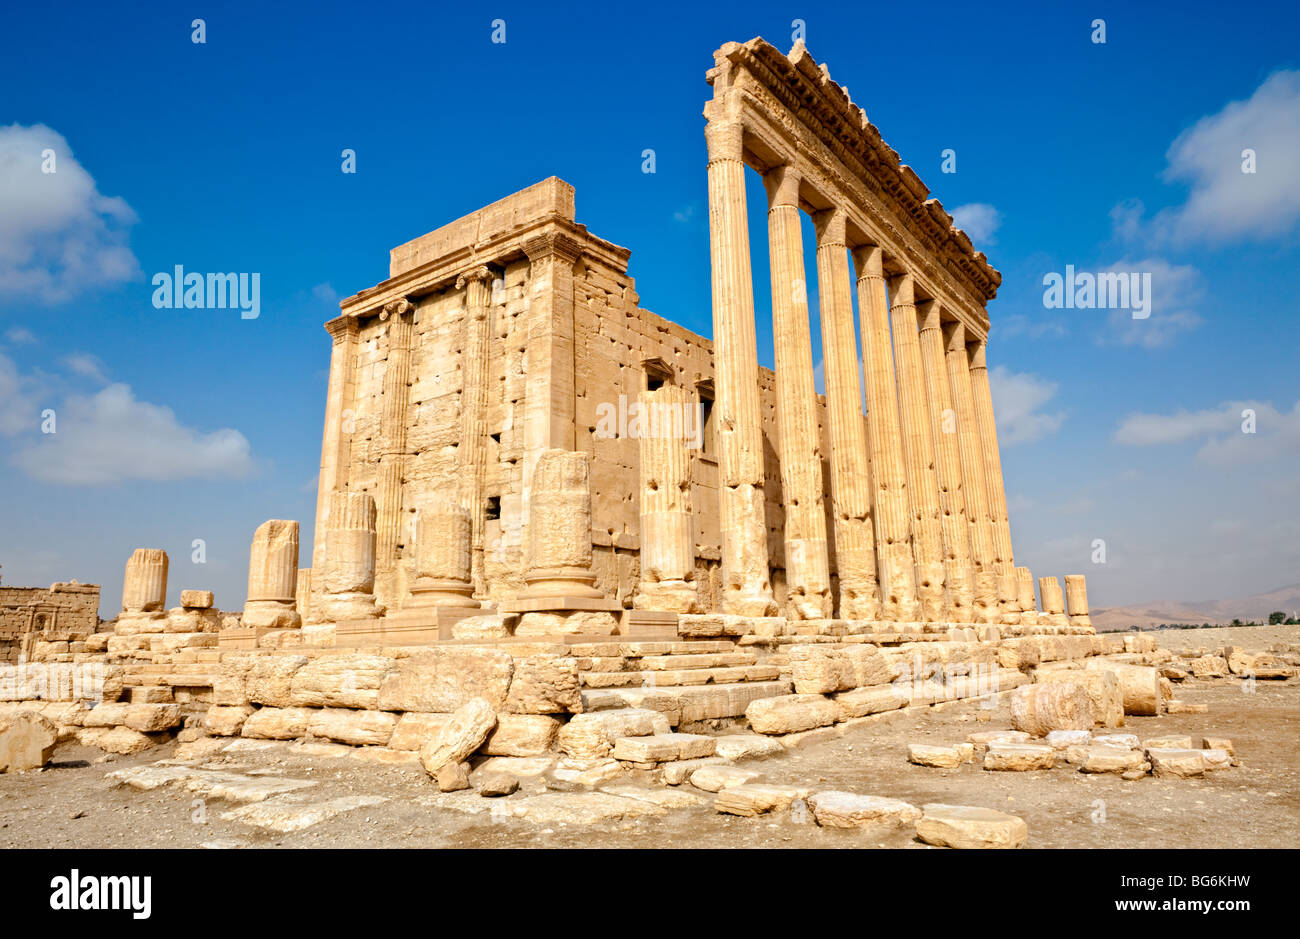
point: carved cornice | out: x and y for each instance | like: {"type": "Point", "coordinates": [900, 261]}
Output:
{"type": "Point", "coordinates": [552, 243]}
{"type": "Point", "coordinates": [342, 327]}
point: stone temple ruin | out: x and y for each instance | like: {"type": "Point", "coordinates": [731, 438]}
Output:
{"type": "Point", "coordinates": [550, 521]}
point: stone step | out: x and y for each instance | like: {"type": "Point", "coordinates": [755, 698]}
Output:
{"type": "Point", "coordinates": [663, 748]}
{"type": "Point", "coordinates": [624, 663]}
{"type": "Point", "coordinates": [687, 703]}
{"type": "Point", "coordinates": [688, 676]}
{"type": "Point", "coordinates": [633, 648]}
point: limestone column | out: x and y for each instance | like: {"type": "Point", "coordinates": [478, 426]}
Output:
{"type": "Point", "coordinates": [851, 490]}
{"type": "Point", "coordinates": [746, 584]}
{"type": "Point", "coordinates": [952, 500]}
{"type": "Point", "coordinates": [302, 593]}
{"type": "Point", "coordinates": [918, 450]}
{"type": "Point", "coordinates": [1049, 590]}
{"type": "Point", "coordinates": [1004, 565]}
{"type": "Point", "coordinates": [443, 557]}
{"type": "Point", "coordinates": [392, 461]}
{"type": "Point", "coordinates": [144, 586]}
{"type": "Point", "coordinates": [1025, 594]}
{"type": "Point", "coordinates": [336, 443]}
{"type": "Point", "coordinates": [972, 470]}
{"type": "Point", "coordinates": [898, 598]}
{"type": "Point", "coordinates": [559, 532]}
{"type": "Point", "coordinates": [472, 452]}
{"type": "Point", "coordinates": [349, 569]}
{"type": "Point", "coordinates": [667, 541]}
{"type": "Point", "coordinates": [1076, 600]}
{"type": "Point", "coordinates": [273, 577]}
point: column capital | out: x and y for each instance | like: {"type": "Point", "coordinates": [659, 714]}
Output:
{"type": "Point", "coordinates": [954, 335]}
{"type": "Point", "coordinates": [398, 308]}
{"type": "Point", "coordinates": [928, 312]}
{"type": "Point", "coordinates": [830, 224]}
{"type": "Point", "coordinates": [902, 289]}
{"type": "Point", "coordinates": [546, 244]}
{"type": "Point", "coordinates": [782, 184]}
{"type": "Point", "coordinates": [477, 273]}
{"type": "Point", "coordinates": [725, 140]}
{"type": "Point", "coordinates": [342, 327]}
{"type": "Point", "coordinates": [869, 261]}
{"type": "Point", "coordinates": [977, 357]}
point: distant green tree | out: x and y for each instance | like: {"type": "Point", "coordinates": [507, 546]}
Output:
{"type": "Point", "coordinates": [1236, 622]}
{"type": "Point", "coordinates": [1276, 618]}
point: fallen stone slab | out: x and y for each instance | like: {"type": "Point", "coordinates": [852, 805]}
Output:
{"type": "Point", "coordinates": [1170, 742]}
{"type": "Point", "coordinates": [982, 738]}
{"type": "Point", "coordinates": [719, 776]}
{"type": "Point", "coordinates": [968, 826]}
{"type": "Point", "coordinates": [214, 784]}
{"type": "Point", "coordinates": [739, 747]}
{"type": "Point", "coordinates": [1103, 759]}
{"type": "Point", "coordinates": [941, 757]}
{"type": "Point", "coordinates": [1177, 706]}
{"type": "Point", "coordinates": [468, 728]}
{"type": "Point", "coordinates": [662, 748]}
{"type": "Point", "coordinates": [1139, 685]}
{"type": "Point", "coordinates": [1019, 757]}
{"type": "Point", "coordinates": [664, 798]}
{"type": "Point", "coordinates": [834, 809]}
{"type": "Point", "coordinates": [1218, 743]}
{"type": "Point", "coordinates": [287, 814]}
{"type": "Point", "coordinates": [872, 700]}
{"type": "Point", "coordinates": [1175, 762]}
{"type": "Point", "coordinates": [1041, 708]}
{"type": "Point", "coordinates": [1127, 741]}
{"type": "Point", "coordinates": [791, 713]}
{"type": "Point", "coordinates": [1103, 691]}
{"type": "Point", "coordinates": [27, 741]}
{"type": "Point", "coordinates": [578, 808]}
{"type": "Point", "coordinates": [592, 735]}
{"type": "Point", "coordinates": [1064, 739]}
{"type": "Point", "coordinates": [121, 740]}
{"type": "Point", "coordinates": [752, 799]}
{"type": "Point", "coordinates": [674, 774]}
{"type": "Point", "coordinates": [1215, 758]}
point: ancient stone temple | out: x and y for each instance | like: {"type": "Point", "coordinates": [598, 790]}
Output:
{"type": "Point", "coordinates": [713, 485]}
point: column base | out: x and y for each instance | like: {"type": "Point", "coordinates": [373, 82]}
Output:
{"type": "Point", "coordinates": [270, 614]}
{"type": "Point", "coordinates": [333, 607]}
{"type": "Point", "coordinates": [672, 596]}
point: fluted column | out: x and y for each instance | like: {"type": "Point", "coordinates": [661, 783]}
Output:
{"type": "Point", "coordinates": [851, 491]}
{"type": "Point", "coordinates": [958, 576]}
{"type": "Point", "coordinates": [348, 572]}
{"type": "Point", "coordinates": [1076, 600]}
{"type": "Point", "coordinates": [894, 561]}
{"type": "Point", "coordinates": [559, 532]}
{"type": "Point", "coordinates": [472, 452]}
{"type": "Point", "coordinates": [1025, 594]}
{"type": "Point", "coordinates": [1049, 590]}
{"type": "Point", "coordinates": [746, 586]}
{"type": "Point", "coordinates": [336, 442]}
{"type": "Point", "coordinates": [273, 576]}
{"type": "Point", "coordinates": [667, 541]}
{"type": "Point", "coordinates": [144, 584]}
{"type": "Point", "coordinates": [392, 461]}
{"type": "Point", "coordinates": [918, 450]}
{"type": "Point", "coordinates": [1003, 563]}
{"type": "Point", "coordinates": [972, 470]}
{"type": "Point", "coordinates": [443, 556]}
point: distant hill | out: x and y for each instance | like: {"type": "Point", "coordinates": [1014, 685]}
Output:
{"type": "Point", "coordinates": [1247, 609]}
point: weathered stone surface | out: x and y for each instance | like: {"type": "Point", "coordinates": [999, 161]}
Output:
{"type": "Point", "coordinates": [444, 680]}
{"type": "Point", "coordinates": [1175, 706]}
{"type": "Point", "coordinates": [358, 728]}
{"type": "Point", "coordinates": [719, 776]}
{"type": "Point", "coordinates": [27, 741]}
{"type": "Point", "coordinates": [982, 738]}
{"type": "Point", "coordinates": [1102, 759]}
{"type": "Point", "coordinates": [1215, 758]}
{"type": "Point", "coordinates": [276, 724]}
{"type": "Point", "coordinates": [833, 809]}
{"type": "Point", "coordinates": [452, 776]}
{"type": "Point", "coordinates": [1169, 742]}
{"type": "Point", "coordinates": [662, 748]}
{"type": "Point", "coordinates": [482, 628]}
{"type": "Point", "coordinates": [1061, 739]}
{"type": "Point", "coordinates": [414, 728]}
{"type": "Point", "coordinates": [1103, 690]}
{"type": "Point", "coordinates": [1177, 763]}
{"type": "Point", "coordinates": [966, 826]}
{"type": "Point", "coordinates": [863, 701]}
{"type": "Point", "coordinates": [816, 669]}
{"type": "Point", "coordinates": [791, 713]}
{"type": "Point", "coordinates": [196, 599]}
{"type": "Point", "coordinates": [269, 680]}
{"type": "Point", "coordinates": [1139, 686]}
{"type": "Point", "coordinates": [121, 740]}
{"type": "Point", "coordinates": [591, 736]}
{"type": "Point", "coordinates": [942, 757]}
{"type": "Point", "coordinates": [1019, 757]}
{"type": "Point", "coordinates": [545, 684]}
{"type": "Point", "coordinates": [285, 814]}
{"type": "Point", "coordinates": [146, 718]}
{"type": "Point", "coordinates": [674, 774]}
{"type": "Point", "coordinates": [753, 799]}
{"type": "Point", "coordinates": [346, 680]}
{"type": "Point", "coordinates": [462, 735]}
{"type": "Point", "coordinates": [226, 721]}
{"type": "Point", "coordinates": [1209, 666]}
{"type": "Point", "coordinates": [1127, 741]}
{"type": "Point", "coordinates": [497, 784]}
{"type": "Point", "coordinates": [522, 735]}
{"type": "Point", "coordinates": [1039, 709]}
{"type": "Point", "coordinates": [738, 747]}
{"type": "Point", "coordinates": [1218, 743]}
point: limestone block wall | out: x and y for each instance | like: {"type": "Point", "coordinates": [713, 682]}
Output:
{"type": "Point", "coordinates": [62, 613]}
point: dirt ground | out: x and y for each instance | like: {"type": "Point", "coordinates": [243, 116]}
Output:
{"type": "Point", "coordinates": [1255, 805]}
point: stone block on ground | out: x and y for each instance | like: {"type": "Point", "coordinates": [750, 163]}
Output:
{"type": "Point", "coordinates": [833, 809]}
{"type": "Point", "coordinates": [719, 776]}
{"type": "Point", "coordinates": [752, 799]}
{"type": "Point", "coordinates": [467, 730]}
{"type": "Point", "coordinates": [1039, 709]}
{"type": "Point", "coordinates": [27, 741]}
{"type": "Point", "coordinates": [967, 826]}
{"type": "Point", "coordinates": [739, 747]}
{"type": "Point", "coordinates": [1019, 757]}
{"type": "Point", "coordinates": [791, 713]}
{"type": "Point", "coordinates": [941, 757]}
{"type": "Point", "coordinates": [1177, 763]}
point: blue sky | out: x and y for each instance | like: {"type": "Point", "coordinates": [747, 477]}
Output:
{"type": "Point", "coordinates": [174, 425]}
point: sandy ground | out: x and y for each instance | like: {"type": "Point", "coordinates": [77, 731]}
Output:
{"type": "Point", "coordinates": [1256, 804]}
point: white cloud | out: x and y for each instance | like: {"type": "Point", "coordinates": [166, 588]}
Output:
{"type": "Point", "coordinates": [19, 335]}
{"type": "Point", "coordinates": [1176, 289]}
{"type": "Point", "coordinates": [111, 437]}
{"type": "Point", "coordinates": [20, 399]}
{"type": "Point", "coordinates": [979, 220]}
{"type": "Point", "coordinates": [1223, 203]}
{"type": "Point", "coordinates": [58, 234]}
{"type": "Point", "coordinates": [1222, 431]}
{"type": "Point", "coordinates": [86, 365]}
{"type": "Point", "coordinates": [1017, 398]}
